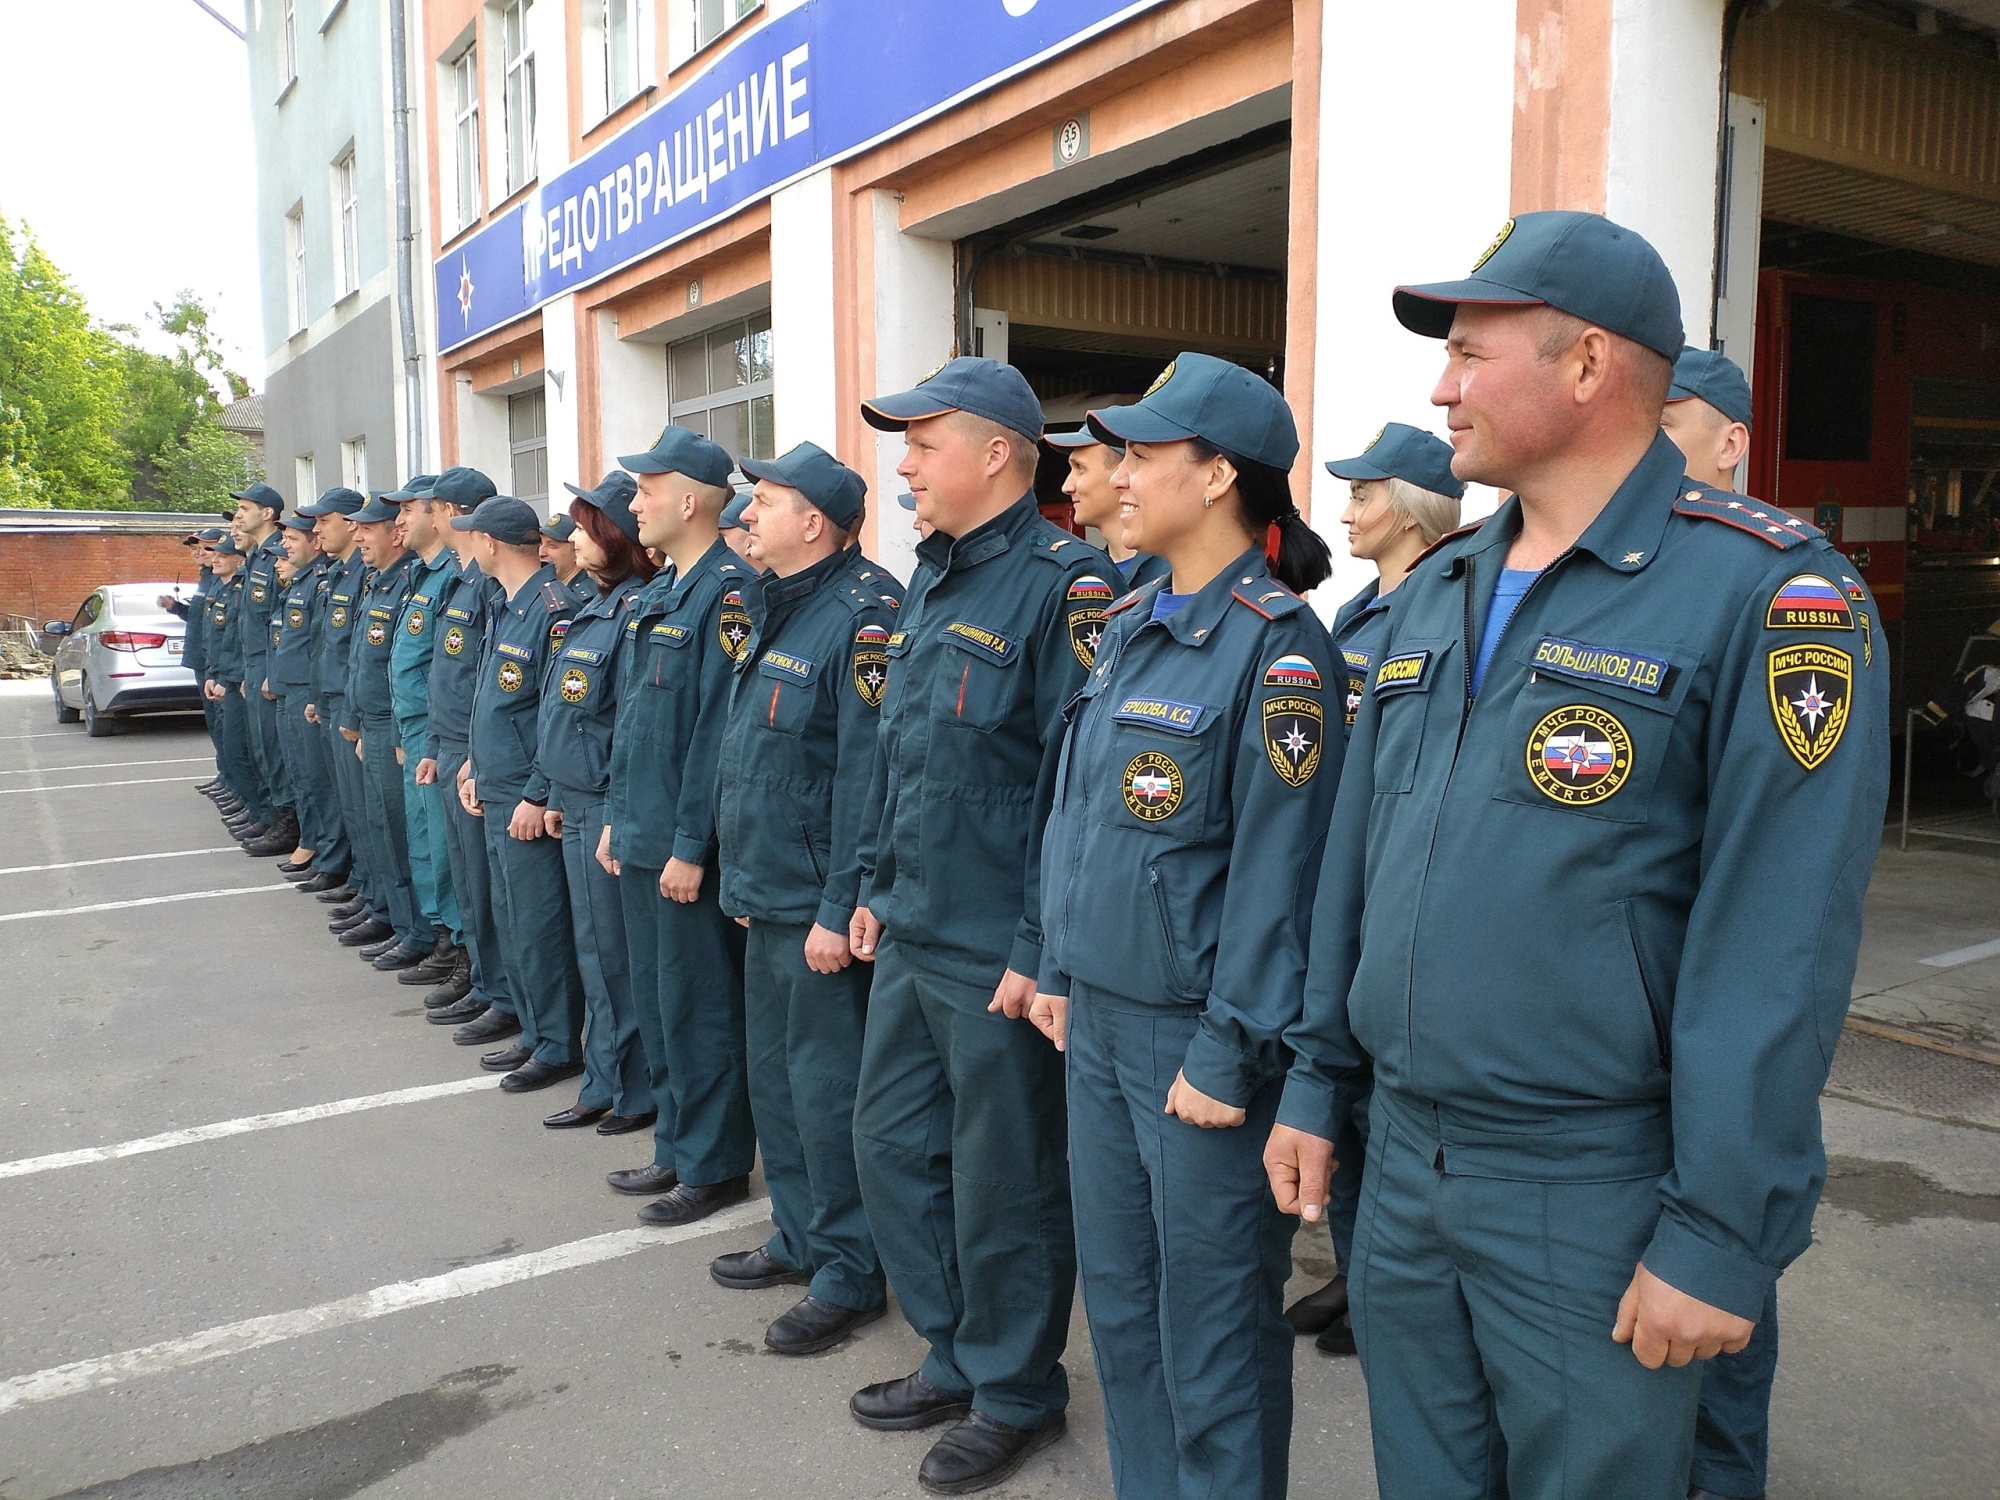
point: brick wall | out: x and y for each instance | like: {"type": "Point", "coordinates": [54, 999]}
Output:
{"type": "Point", "coordinates": [47, 577]}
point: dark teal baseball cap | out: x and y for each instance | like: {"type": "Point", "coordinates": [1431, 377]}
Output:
{"type": "Point", "coordinates": [376, 511]}
{"type": "Point", "coordinates": [1200, 396]}
{"type": "Point", "coordinates": [1581, 264]}
{"type": "Point", "coordinates": [296, 522]}
{"type": "Point", "coordinates": [829, 486]}
{"type": "Point", "coordinates": [732, 514]}
{"type": "Point", "coordinates": [210, 535]}
{"type": "Point", "coordinates": [227, 548]}
{"type": "Point", "coordinates": [907, 500]}
{"type": "Point", "coordinates": [985, 387]}
{"type": "Point", "coordinates": [679, 451]}
{"type": "Point", "coordinates": [503, 518]}
{"type": "Point", "coordinates": [416, 487]}
{"type": "Point", "coordinates": [260, 494]}
{"type": "Point", "coordinates": [458, 486]}
{"type": "Point", "coordinates": [613, 496]}
{"type": "Point", "coordinates": [559, 528]}
{"type": "Point", "coordinates": [338, 501]}
{"type": "Point", "coordinates": [1083, 437]}
{"type": "Point", "coordinates": [1400, 451]}
{"type": "Point", "coordinates": [1712, 376]}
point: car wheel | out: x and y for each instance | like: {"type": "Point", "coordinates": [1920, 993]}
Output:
{"type": "Point", "coordinates": [96, 725]}
{"type": "Point", "coordinates": [64, 713]}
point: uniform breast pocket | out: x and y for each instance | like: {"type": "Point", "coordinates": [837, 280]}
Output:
{"type": "Point", "coordinates": [1405, 685]}
{"type": "Point", "coordinates": [1593, 727]}
{"type": "Point", "coordinates": [784, 689]}
{"type": "Point", "coordinates": [666, 643]}
{"type": "Point", "coordinates": [1163, 753]}
{"type": "Point", "coordinates": [982, 682]}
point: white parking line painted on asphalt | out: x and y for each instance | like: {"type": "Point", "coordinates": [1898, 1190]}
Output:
{"type": "Point", "coordinates": [84, 786]}
{"type": "Point", "coordinates": [109, 765]}
{"type": "Point", "coordinates": [120, 859]}
{"type": "Point", "coordinates": [399, 1296]}
{"type": "Point", "coordinates": [1959, 956]}
{"type": "Point", "coordinates": [222, 1129]}
{"type": "Point", "coordinates": [77, 911]}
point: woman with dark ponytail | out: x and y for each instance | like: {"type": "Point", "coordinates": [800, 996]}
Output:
{"type": "Point", "coordinates": [1178, 874]}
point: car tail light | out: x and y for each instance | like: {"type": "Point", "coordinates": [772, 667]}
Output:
{"type": "Point", "coordinates": [132, 640]}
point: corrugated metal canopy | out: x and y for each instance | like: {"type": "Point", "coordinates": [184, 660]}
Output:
{"type": "Point", "coordinates": [1800, 190]}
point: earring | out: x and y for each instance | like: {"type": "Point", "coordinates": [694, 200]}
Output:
{"type": "Point", "coordinates": [1208, 502]}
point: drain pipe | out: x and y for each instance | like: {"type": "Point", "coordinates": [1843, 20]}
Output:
{"type": "Point", "coordinates": [406, 235]}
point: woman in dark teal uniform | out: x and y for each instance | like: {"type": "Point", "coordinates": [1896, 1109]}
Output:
{"type": "Point", "coordinates": [1181, 859]}
{"type": "Point", "coordinates": [1402, 497]}
{"type": "Point", "coordinates": [579, 707]}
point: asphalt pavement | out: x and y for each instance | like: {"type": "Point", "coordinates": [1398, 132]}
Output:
{"type": "Point", "coordinates": [264, 1232]}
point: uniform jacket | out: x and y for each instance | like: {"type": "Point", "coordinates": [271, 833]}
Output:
{"type": "Point", "coordinates": [374, 640]}
{"type": "Point", "coordinates": [684, 636]}
{"type": "Point", "coordinates": [455, 661]}
{"type": "Point", "coordinates": [522, 640]}
{"type": "Point", "coordinates": [1191, 804]}
{"type": "Point", "coordinates": [798, 752]}
{"type": "Point", "coordinates": [417, 632]}
{"type": "Point", "coordinates": [341, 609]}
{"type": "Point", "coordinates": [999, 628]}
{"type": "Point", "coordinates": [580, 696]}
{"type": "Point", "coordinates": [1358, 628]}
{"type": "Point", "coordinates": [259, 604]}
{"type": "Point", "coordinates": [225, 640]}
{"type": "Point", "coordinates": [290, 664]}
{"type": "Point", "coordinates": [1601, 922]}
{"type": "Point", "coordinates": [1147, 567]}
{"type": "Point", "coordinates": [195, 610]}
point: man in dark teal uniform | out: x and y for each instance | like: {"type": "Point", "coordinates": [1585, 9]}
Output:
{"type": "Point", "coordinates": [501, 781]}
{"type": "Point", "coordinates": [448, 971]}
{"type": "Point", "coordinates": [1604, 727]}
{"type": "Point", "coordinates": [1094, 502]}
{"type": "Point", "coordinates": [290, 672]}
{"type": "Point", "coordinates": [689, 627]}
{"type": "Point", "coordinates": [558, 550]}
{"type": "Point", "coordinates": [194, 638]}
{"type": "Point", "coordinates": [257, 512]}
{"type": "Point", "coordinates": [797, 766]}
{"type": "Point", "coordinates": [997, 632]}
{"type": "Point", "coordinates": [412, 939]}
{"type": "Point", "coordinates": [222, 685]}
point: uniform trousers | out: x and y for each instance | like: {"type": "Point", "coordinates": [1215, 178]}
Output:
{"type": "Point", "coordinates": [472, 882]}
{"type": "Point", "coordinates": [1483, 1310]}
{"type": "Point", "coordinates": [687, 984]}
{"type": "Point", "coordinates": [389, 825]}
{"type": "Point", "coordinates": [960, 1135]}
{"type": "Point", "coordinates": [352, 792]}
{"type": "Point", "coordinates": [537, 943]}
{"type": "Point", "coordinates": [266, 746]}
{"type": "Point", "coordinates": [423, 816]}
{"type": "Point", "coordinates": [805, 1032]}
{"type": "Point", "coordinates": [208, 712]}
{"type": "Point", "coordinates": [614, 1062]}
{"type": "Point", "coordinates": [1343, 1194]}
{"type": "Point", "coordinates": [232, 749]}
{"type": "Point", "coordinates": [311, 789]}
{"type": "Point", "coordinates": [1732, 1430]}
{"type": "Point", "coordinates": [1183, 1258]}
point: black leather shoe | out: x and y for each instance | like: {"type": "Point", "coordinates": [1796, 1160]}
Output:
{"type": "Point", "coordinates": [369, 932]}
{"type": "Point", "coordinates": [1318, 1311]}
{"type": "Point", "coordinates": [210, 787]}
{"type": "Point", "coordinates": [507, 1059]}
{"type": "Point", "coordinates": [348, 923]}
{"type": "Point", "coordinates": [438, 962]}
{"type": "Point", "coordinates": [353, 906]}
{"type": "Point", "coordinates": [469, 1008]}
{"type": "Point", "coordinates": [488, 1028]}
{"type": "Point", "coordinates": [813, 1326]}
{"type": "Point", "coordinates": [907, 1404]}
{"type": "Point", "coordinates": [328, 888]}
{"type": "Point", "coordinates": [375, 950]}
{"type": "Point", "coordinates": [688, 1203]}
{"type": "Point", "coordinates": [1701, 1494]}
{"type": "Point", "coordinates": [1338, 1337]}
{"type": "Point", "coordinates": [454, 987]}
{"type": "Point", "coordinates": [753, 1270]}
{"type": "Point", "coordinates": [980, 1452]}
{"type": "Point", "coordinates": [626, 1124]}
{"type": "Point", "coordinates": [643, 1182]}
{"type": "Point", "coordinates": [402, 956]}
{"type": "Point", "coordinates": [576, 1117]}
{"type": "Point", "coordinates": [271, 845]}
{"type": "Point", "coordinates": [296, 869]}
{"type": "Point", "coordinates": [533, 1075]}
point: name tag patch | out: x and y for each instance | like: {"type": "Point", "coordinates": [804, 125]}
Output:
{"type": "Point", "coordinates": [508, 648]}
{"type": "Point", "coordinates": [1162, 713]}
{"type": "Point", "coordinates": [672, 635]}
{"type": "Point", "coordinates": [1002, 648]}
{"type": "Point", "coordinates": [786, 665]}
{"type": "Point", "coordinates": [1406, 670]}
{"type": "Point", "coordinates": [585, 655]}
{"type": "Point", "coordinates": [1359, 664]}
{"type": "Point", "coordinates": [1587, 663]}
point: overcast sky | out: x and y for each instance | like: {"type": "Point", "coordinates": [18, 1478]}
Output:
{"type": "Point", "coordinates": [125, 145]}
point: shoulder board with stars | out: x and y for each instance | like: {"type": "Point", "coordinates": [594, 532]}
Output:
{"type": "Point", "coordinates": [1765, 522]}
{"type": "Point", "coordinates": [1144, 591]}
{"type": "Point", "coordinates": [554, 598]}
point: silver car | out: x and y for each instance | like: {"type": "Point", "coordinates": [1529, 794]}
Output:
{"type": "Point", "coordinates": [121, 656]}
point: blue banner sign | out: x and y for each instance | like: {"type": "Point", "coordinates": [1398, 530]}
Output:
{"type": "Point", "coordinates": [806, 89]}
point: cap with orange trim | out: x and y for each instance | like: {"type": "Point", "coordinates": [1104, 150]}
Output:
{"type": "Point", "coordinates": [985, 387]}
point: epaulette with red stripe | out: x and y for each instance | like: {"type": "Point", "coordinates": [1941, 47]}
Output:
{"type": "Point", "coordinates": [1269, 598]}
{"type": "Point", "coordinates": [1144, 591]}
{"type": "Point", "coordinates": [1449, 536]}
{"type": "Point", "coordinates": [1767, 523]}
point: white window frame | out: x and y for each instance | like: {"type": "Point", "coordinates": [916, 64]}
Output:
{"type": "Point", "coordinates": [305, 480]}
{"type": "Point", "coordinates": [728, 14]}
{"type": "Point", "coordinates": [354, 463]}
{"type": "Point", "coordinates": [347, 225]}
{"type": "Point", "coordinates": [517, 91]}
{"type": "Point", "coordinates": [288, 41]}
{"type": "Point", "coordinates": [295, 269]}
{"type": "Point", "coordinates": [683, 405]}
{"type": "Point", "coordinates": [462, 80]}
{"type": "Point", "coordinates": [520, 445]}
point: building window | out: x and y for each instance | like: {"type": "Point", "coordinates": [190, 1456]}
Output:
{"type": "Point", "coordinates": [465, 133]}
{"type": "Point", "coordinates": [347, 219]}
{"type": "Point", "coordinates": [295, 263]}
{"type": "Point", "coordinates": [289, 41]}
{"type": "Point", "coordinates": [518, 94]}
{"type": "Point", "coordinates": [528, 445]}
{"type": "Point", "coordinates": [719, 385]}
{"type": "Point", "coordinates": [619, 23]}
{"type": "Point", "coordinates": [713, 17]}
{"type": "Point", "coordinates": [305, 480]}
{"type": "Point", "coordinates": [354, 464]}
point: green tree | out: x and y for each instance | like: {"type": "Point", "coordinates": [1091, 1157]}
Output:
{"type": "Point", "coordinates": [181, 457]}
{"type": "Point", "coordinates": [60, 388]}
